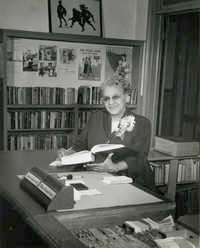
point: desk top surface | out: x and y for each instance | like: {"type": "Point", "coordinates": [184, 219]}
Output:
{"type": "Point", "coordinates": [16, 163]}
{"type": "Point", "coordinates": [103, 195]}
{"type": "Point", "coordinates": [47, 224]}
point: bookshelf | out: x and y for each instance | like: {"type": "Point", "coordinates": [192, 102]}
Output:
{"type": "Point", "coordinates": [188, 171]}
{"type": "Point", "coordinates": [178, 179]}
{"type": "Point", "coordinates": [48, 96]}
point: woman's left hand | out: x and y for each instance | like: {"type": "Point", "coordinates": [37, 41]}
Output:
{"type": "Point", "coordinates": [108, 165]}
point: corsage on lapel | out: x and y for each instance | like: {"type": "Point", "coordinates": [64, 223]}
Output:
{"type": "Point", "coordinates": [126, 124]}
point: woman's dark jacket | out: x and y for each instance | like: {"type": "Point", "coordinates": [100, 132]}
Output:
{"type": "Point", "coordinates": [98, 131]}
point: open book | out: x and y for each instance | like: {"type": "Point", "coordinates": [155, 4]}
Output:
{"type": "Point", "coordinates": [86, 156]}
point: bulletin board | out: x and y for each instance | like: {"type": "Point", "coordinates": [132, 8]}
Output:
{"type": "Point", "coordinates": [48, 63]}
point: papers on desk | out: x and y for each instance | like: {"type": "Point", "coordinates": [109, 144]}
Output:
{"type": "Point", "coordinates": [137, 226]}
{"type": "Point", "coordinates": [174, 242]}
{"type": "Point", "coordinates": [117, 179]}
{"type": "Point", "coordinates": [90, 192]}
{"type": "Point", "coordinates": [165, 225]}
{"type": "Point", "coordinates": [82, 190]}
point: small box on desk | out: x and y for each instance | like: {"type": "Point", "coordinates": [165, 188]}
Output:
{"type": "Point", "coordinates": [177, 146]}
{"type": "Point", "coordinates": [47, 190]}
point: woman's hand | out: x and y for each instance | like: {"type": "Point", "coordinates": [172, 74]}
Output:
{"type": "Point", "coordinates": [64, 152]}
{"type": "Point", "coordinates": [60, 153]}
{"type": "Point", "coordinates": [108, 165]}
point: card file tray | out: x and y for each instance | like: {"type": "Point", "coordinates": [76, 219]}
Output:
{"type": "Point", "coordinates": [47, 190]}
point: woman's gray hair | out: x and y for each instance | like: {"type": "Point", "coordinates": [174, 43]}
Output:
{"type": "Point", "coordinates": [117, 81]}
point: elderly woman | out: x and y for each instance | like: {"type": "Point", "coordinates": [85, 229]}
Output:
{"type": "Point", "coordinates": [117, 124]}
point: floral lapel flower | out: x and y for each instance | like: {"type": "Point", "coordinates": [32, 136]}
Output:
{"type": "Point", "coordinates": [126, 124]}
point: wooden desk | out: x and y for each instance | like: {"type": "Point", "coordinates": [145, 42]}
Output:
{"type": "Point", "coordinates": [52, 227]}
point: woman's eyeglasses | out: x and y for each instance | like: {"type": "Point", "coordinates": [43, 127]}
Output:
{"type": "Point", "coordinates": [115, 98]}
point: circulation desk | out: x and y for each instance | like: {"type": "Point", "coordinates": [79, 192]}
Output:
{"type": "Point", "coordinates": [55, 228]}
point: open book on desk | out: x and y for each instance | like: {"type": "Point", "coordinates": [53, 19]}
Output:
{"type": "Point", "coordinates": [86, 156]}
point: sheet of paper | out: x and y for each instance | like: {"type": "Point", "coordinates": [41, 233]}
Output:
{"type": "Point", "coordinates": [117, 179]}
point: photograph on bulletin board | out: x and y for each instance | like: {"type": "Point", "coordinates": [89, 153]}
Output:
{"type": "Point", "coordinates": [47, 60]}
{"type": "Point", "coordinates": [119, 61]}
{"type": "Point", "coordinates": [90, 64]}
{"type": "Point", "coordinates": [78, 17]}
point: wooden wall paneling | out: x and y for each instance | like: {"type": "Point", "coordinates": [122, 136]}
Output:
{"type": "Point", "coordinates": [167, 78]}
{"type": "Point", "coordinates": [190, 103]}
{"type": "Point", "coordinates": [152, 65]}
{"type": "Point", "coordinates": [153, 53]}
{"type": "Point", "coordinates": [179, 79]}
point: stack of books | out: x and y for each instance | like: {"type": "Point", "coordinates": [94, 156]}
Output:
{"type": "Point", "coordinates": [177, 146]}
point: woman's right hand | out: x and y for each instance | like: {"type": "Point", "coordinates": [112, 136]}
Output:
{"type": "Point", "coordinates": [64, 152]}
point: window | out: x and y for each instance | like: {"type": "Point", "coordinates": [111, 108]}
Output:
{"type": "Point", "coordinates": [179, 101]}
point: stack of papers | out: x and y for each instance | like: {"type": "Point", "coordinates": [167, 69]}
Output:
{"type": "Point", "coordinates": [90, 192]}
{"type": "Point", "coordinates": [167, 224]}
{"type": "Point", "coordinates": [137, 226]}
{"type": "Point", "coordinates": [174, 242]}
{"type": "Point", "coordinates": [117, 179]}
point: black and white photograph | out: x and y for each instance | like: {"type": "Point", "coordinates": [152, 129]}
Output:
{"type": "Point", "coordinates": [119, 61]}
{"type": "Point", "coordinates": [47, 68]}
{"type": "Point", "coordinates": [30, 60]}
{"type": "Point", "coordinates": [67, 55]}
{"type": "Point", "coordinates": [99, 124]}
{"type": "Point", "coordinates": [90, 64]}
{"type": "Point", "coordinates": [76, 17]}
{"type": "Point", "coordinates": [47, 53]}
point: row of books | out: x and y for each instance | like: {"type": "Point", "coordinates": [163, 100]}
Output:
{"type": "Point", "coordinates": [57, 95]}
{"type": "Point", "coordinates": [40, 119]}
{"type": "Point", "coordinates": [39, 142]}
{"type": "Point", "coordinates": [83, 118]}
{"type": "Point", "coordinates": [87, 95]}
{"type": "Point", "coordinates": [40, 95]}
{"type": "Point", "coordinates": [188, 171]}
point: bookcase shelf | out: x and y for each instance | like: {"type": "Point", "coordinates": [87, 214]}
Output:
{"type": "Point", "coordinates": [39, 130]}
{"type": "Point", "coordinates": [176, 182]}
{"type": "Point", "coordinates": [188, 171]}
{"type": "Point", "coordinates": [40, 106]}
{"type": "Point", "coordinates": [65, 106]}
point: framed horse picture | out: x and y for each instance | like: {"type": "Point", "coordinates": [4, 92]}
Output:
{"type": "Point", "coordinates": [79, 17]}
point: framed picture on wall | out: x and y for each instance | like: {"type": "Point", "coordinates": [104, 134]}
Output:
{"type": "Point", "coordinates": [79, 17]}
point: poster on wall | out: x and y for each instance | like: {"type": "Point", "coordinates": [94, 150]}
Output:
{"type": "Point", "coordinates": [119, 61]}
{"type": "Point", "coordinates": [80, 17]}
{"type": "Point", "coordinates": [67, 64]}
{"type": "Point", "coordinates": [90, 64]}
